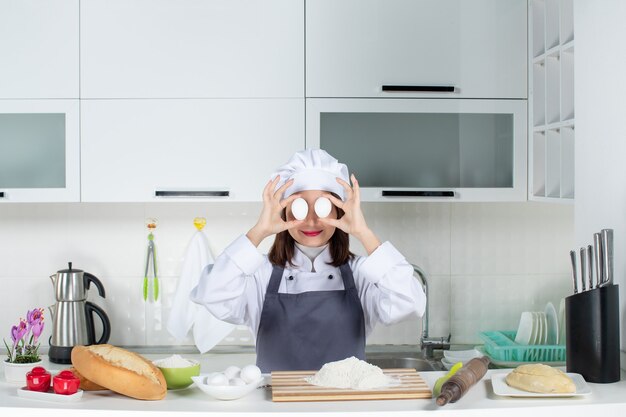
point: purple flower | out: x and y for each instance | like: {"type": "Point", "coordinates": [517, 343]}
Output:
{"type": "Point", "coordinates": [34, 316]}
{"type": "Point", "coordinates": [18, 332]}
{"type": "Point", "coordinates": [37, 330]}
{"type": "Point", "coordinates": [24, 343]}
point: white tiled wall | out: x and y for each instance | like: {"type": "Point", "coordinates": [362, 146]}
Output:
{"type": "Point", "coordinates": [486, 263]}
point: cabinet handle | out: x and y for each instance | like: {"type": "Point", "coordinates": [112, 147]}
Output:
{"type": "Point", "coordinates": [403, 193]}
{"type": "Point", "coordinates": [219, 193]}
{"type": "Point", "coordinates": [420, 88]}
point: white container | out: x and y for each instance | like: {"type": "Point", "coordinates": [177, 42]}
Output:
{"type": "Point", "coordinates": [15, 373]}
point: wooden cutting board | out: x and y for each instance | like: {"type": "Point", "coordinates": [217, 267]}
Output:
{"type": "Point", "coordinates": [292, 386]}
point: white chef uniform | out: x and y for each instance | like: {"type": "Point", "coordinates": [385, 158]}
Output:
{"type": "Point", "coordinates": [234, 290]}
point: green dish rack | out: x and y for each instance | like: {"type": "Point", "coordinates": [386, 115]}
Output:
{"type": "Point", "coordinates": [500, 345]}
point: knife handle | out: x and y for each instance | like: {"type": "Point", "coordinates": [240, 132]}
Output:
{"type": "Point", "coordinates": [607, 244]}
{"type": "Point", "coordinates": [583, 268]}
{"type": "Point", "coordinates": [590, 266]}
{"type": "Point", "coordinates": [572, 256]}
{"type": "Point", "coordinates": [598, 252]}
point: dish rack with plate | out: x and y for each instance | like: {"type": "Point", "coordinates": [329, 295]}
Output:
{"type": "Point", "coordinates": [500, 345]}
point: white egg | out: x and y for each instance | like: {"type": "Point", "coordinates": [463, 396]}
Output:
{"type": "Point", "coordinates": [299, 208]}
{"type": "Point", "coordinates": [218, 379]}
{"type": "Point", "coordinates": [238, 382]}
{"type": "Point", "coordinates": [250, 373]}
{"type": "Point", "coordinates": [322, 207]}
{"type": "Point", "coordinates": [232, 372]}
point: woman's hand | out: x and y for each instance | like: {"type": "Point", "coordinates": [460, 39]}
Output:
{"type": "Point", "coordinates": [270, 221]}
{"type": "Point", "coordinates": [353, 221]}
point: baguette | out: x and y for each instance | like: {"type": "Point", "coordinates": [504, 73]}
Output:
{"type": "Point", "coordinates": [85, 384]}
{"type": "Point", "coordinates": [120, 370]}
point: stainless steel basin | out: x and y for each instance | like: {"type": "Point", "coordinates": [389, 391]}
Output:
{"type": "Point", "coordinates": [419, 364]}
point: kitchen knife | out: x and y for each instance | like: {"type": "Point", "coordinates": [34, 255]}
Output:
{"type": "Point", "coordinates": [598, 252]}
{"type": "Point", "coordinates": [583, 268]}
{"type": "Point", "coordinates": [607, 244]}
{"type": "Point", "coordinates": [590, 266]}
{"type": "Point", "coordinates": [572, 255]}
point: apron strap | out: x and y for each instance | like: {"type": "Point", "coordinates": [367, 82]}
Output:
{"type": "Point", "coordinates": [346, 276]}
{"type": "Point", "coordinates": [277, 275]}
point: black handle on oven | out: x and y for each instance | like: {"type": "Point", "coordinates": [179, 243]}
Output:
{"type": "Point", "coordinates": [408, 193]}
{"type": "Point", "coordinates": [419, 88]}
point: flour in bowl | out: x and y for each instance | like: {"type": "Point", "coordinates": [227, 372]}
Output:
{"type": "Point", "coordinates": [350, 373]}
{"type": "Point", "coordinates": [174, 361]}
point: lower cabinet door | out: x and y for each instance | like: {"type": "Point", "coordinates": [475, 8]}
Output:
{"type": "Point", "coordinates": [185, 150]}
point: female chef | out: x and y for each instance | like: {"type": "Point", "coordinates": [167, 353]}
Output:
{"type": "Point", "coordinates": [310, 300]}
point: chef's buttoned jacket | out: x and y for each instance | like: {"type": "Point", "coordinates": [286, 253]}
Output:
{"type": "Point", "coordinates": [234, 289]}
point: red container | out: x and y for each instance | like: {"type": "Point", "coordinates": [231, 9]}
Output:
{"type": "Point", "coordinates": [38, 379]}
{"type": "Point", "coordinates": [65, 383]}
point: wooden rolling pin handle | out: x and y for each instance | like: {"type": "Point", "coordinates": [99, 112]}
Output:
{"type": "Point", "coordinates": [463, 380]}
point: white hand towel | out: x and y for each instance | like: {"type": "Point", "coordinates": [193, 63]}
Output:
{"type": "Point", "coordinates": [207, 330]}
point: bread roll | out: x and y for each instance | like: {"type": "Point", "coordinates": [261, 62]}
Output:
{"type": "Point", "coordinates": [85, 384]}
{"type": "Point", "coordinates": [540, 378]}
{"type": "Point", "coordinates": [120, 370]}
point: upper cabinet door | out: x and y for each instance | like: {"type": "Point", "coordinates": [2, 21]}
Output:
{"type": "Point", "coordinates": [355, 47]}
{"type": "Point", "coordinates": [39, 151]}
{"type": "Point", "coordinates": [39, 49]}
{"type": "Point", "coordinates": [185, 150]}
{"type": "Point", "coordinates": [192, 48]}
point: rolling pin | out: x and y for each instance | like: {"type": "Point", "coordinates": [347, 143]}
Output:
{"type": "Point", "coordinates": [465, 378]}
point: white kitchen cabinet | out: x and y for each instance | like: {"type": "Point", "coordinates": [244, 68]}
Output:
{"type": "Point", "coordinates": [551, 100]}
{"type": "Point", "coordinates": [426, 150]}
{"type": "Point", "coordinates": [192, 48]}
{"type": "Point", "coordinates": [39, 151]}
{"type": "Point", "coordinates": [355, 47]}
{"type": "Point", "coordinates": [192, 150]}
{"type": "Point", "coordinates": [39, 49]}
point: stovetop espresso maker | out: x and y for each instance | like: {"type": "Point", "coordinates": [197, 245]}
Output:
{"type": "Point", "coordinates": [72, 315]}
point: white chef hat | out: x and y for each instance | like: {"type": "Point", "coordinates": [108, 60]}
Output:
{"type": "Point", "coordinates": [312, 169]}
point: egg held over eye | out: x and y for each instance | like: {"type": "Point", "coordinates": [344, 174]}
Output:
{"type": "Point", "coordinates": [299, 208]}
{"type": "Point", "coordinates": [323, 207]}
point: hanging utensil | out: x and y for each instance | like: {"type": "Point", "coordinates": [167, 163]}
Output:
{"type": "Point", "coordinates": [151, 224]}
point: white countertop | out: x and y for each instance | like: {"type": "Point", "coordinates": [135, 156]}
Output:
{"type": "Point", "coordinates": [479, 401]}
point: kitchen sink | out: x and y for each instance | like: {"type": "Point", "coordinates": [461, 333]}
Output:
{"type": "Point", "coordinates": [404, 361]}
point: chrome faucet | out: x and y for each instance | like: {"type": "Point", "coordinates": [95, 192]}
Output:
{"type": "Point", "coordinates": [428, 344]}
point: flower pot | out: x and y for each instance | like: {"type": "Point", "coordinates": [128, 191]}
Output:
{"type": "Point", "coordinates": [15, 373]}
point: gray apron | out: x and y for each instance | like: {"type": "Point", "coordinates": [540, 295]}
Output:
{"type": "Point", "coordinates": [304, 331]}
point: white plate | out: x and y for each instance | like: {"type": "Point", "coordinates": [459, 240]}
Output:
{"type": "Point", "coordinates": [539, 329]}
{"type": "Point", "coordinates": [561, 340]}
{"type": "Point", "coordinates": [553, 325]}
{"type": "Point", "coordinates": [525, 328]}
{"type": "Point", "coordinates": [500, 387]}
{"type": "Point", "coordinates": [49, 395]}
{"type": "Point", "coordinates": [534, 338]}
{"type": "Point", "coordinates": [448, 364]}
{"type": "Point", "coordinates": [461, 355]}
{"type": "Point", "coordinates": [226, 392]}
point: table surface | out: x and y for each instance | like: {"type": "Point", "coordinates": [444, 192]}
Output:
{"type": "Point", "coordinates": [479, 401]}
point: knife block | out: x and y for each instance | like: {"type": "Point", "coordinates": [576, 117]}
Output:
{"type": "Point", "coordinates": [592, 334]}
